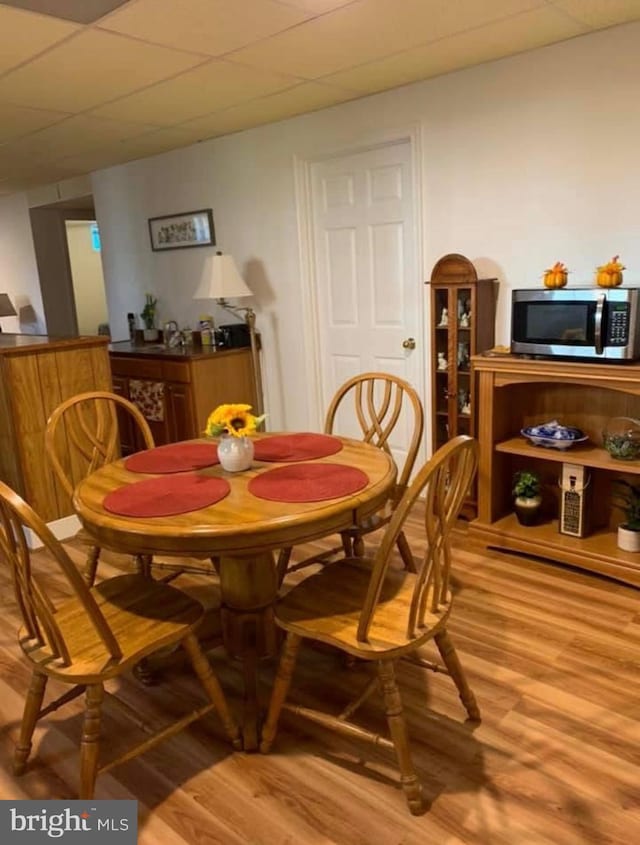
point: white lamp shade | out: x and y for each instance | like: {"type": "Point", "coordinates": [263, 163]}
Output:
{"type": "Point", "coordinates": [221, 280]}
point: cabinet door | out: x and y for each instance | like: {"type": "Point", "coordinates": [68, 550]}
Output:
{"type": "Point", "coordinates": [179, 407]}
{"type": "Point", "coordinates": [128, 440]}
{"type": "Point", "coordinates": [463, 349]}
{"type": "Point", "coordinates": [441, 362]}
{"type": "Point", "coordinates": [453, 308]}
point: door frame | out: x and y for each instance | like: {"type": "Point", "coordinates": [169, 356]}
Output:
{"type": "Point", "coordinates": [304, 216]}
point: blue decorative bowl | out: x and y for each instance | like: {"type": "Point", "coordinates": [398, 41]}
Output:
{"type": "Point", "coordinates": [553, 435]}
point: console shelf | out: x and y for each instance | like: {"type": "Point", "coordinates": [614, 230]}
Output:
{"type": "Point", "coordinates": [514, 393]}
{"type": "Point", "coordinates": [583, 454]}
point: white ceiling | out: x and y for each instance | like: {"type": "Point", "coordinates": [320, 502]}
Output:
{"type": "Point", "coordinates": [85, 84]}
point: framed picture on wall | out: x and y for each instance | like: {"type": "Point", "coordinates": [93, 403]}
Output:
{"type": "Point", "coordinates": [176, 231]}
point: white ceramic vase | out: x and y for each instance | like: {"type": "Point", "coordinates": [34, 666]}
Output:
{"type": "Point", "coordinates": [628, 540]}
{"type": "Point", "coordinates": [235, 453]}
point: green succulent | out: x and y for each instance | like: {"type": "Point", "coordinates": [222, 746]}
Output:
{"type": "Point", "coordinates": [148, 313]}
{"type": "Point", "coordinates": [526, 484]}
{"type": "Point", "coordinates": [626, 498]}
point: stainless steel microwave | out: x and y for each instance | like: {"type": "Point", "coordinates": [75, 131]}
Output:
{"type": "Point", "coordinates": [601, 324]}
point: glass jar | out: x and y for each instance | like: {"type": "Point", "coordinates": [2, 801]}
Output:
{"type": "Point", "coordinates": [621, 438]}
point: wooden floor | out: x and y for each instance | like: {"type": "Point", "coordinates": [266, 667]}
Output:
{"type": "Point", "coordinates": [552, 656]}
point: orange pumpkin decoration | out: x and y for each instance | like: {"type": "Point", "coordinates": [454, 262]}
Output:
{"type": "Point", "coordinates": [556, 276]}
{"type": "Point", "coordinates": [610, 275]}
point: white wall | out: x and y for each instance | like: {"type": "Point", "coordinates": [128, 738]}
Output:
{"type": "Point", "coordinates": [525, 161]}
{"type": "Point", "coordinates": [87, 277]}
{"type": "Point", "coordinates": [18, 271]}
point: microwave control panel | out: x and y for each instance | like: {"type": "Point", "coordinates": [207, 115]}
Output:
{"type": "Point", "coordinates": [618, 324]}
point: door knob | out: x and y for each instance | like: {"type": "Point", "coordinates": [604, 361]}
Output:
{"type": "Point", "coordinates": [409, 343]}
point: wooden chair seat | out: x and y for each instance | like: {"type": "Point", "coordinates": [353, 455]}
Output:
{"type": "Point", "coordinates": [95, 635]}
{"type": "Point", "coordinates": [374, 612]}
{"type": "Point", "coordinates": [382, 405]}
{"type": "Point", "coordinates": [144, 615]}
{"type": "Point", "coordinates": [82, 435]}
{"type": "Point", "coordinates": [328, 605]}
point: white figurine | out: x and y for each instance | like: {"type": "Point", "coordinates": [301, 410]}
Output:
{"type": "Point", "coordinates": [463, 355]}
{"type": "Point", "coordinates": [444, 318]}
{"type": "Point", "coordinates": [442, 361]}
{"type": "Point", "coordinates": [466, 408]}
{"type": "Point", "coordinates": [464, 320]}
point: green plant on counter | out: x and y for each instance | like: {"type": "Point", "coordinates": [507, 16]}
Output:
{"type": "Point", "coordinates": [626, 497]}
{"type": "Point", "coordinates": [148, 313]}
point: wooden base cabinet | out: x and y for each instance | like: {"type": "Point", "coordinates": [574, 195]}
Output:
{"type": "Point", "coordinates": [193, 385]}
{"type": "Point", "coordinates": [514, 393]}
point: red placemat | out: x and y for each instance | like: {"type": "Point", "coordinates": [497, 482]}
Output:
{"type": "Point", "coordinates": [176, 457]}
{"type": "Point", "coordinates": [308, 482]}
{"type": "Point", "coordinates": [166, 496]}
{"type": "Point", "coordinates": [296, 447]}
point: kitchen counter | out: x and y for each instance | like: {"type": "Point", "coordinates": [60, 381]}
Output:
{"type": "Point", "coordinates": [157, 350]}
{"type": "Point", "coordinates": [27, 343]}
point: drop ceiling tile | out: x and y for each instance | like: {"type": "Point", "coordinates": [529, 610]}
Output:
{"type": "Point", "coordinates": [98, 159]}
{"type": "Point", "coordinates": [82, 11]}
{"type": "Point", "coordinates": [90, 69]}
{"type": "Point", "coordinates": [30, 175]}
{"type": "Point", "coordinates": [24, 35]}
{"type": "Point", "coordinates": [130, 149]}
{"type": "Point", "coordinates": [80, 134]}
{"type": "Point", "coordinates": [316, 7]}
{"type": "Point", "coordinates": [16, 120]}
{"type": "Point", "coordinates": [600, 13]}
{"type": "Point", "coordinates": [212, 27]}
{"type": "Point", "coordinates": [216, 85]}
{"type": "Point", "coordinates": [503, 38]}
{"type": "Point", "coordinates": [368, 30]}
{"type": "Point", "coordinates": [307, 97]}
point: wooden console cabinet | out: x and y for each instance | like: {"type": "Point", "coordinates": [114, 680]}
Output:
{"type": "Point", "coordinates": [36, 374]}
{"type": "Point", "coordinates": [194, 383]}
{"type": "Point", "coordinates": [514, 393]}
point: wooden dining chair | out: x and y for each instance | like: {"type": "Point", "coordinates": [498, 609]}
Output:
{"type": "Point", "coordinates": [94, 635]}
{"type": "Point", "coordinates": [379, 614]}
{"type": "Point", "coordinates": [377, 402]}
{"type": "Point", "coordinates": [82, 435]}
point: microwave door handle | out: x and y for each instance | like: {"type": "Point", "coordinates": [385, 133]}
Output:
{"type": "Point", "coordinates": [598, 324]}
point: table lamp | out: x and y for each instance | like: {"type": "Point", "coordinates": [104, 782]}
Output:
{"type": "Point", "coordinates": [220, 281]}
{"type": "Point", "coordinates": [6, 307]}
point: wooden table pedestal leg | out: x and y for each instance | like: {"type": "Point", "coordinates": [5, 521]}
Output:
{"type": "Point", "coordinates": [249, 588]}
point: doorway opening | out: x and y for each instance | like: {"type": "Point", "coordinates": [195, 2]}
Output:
{"type": "Point", "coordinates": [69, 267]}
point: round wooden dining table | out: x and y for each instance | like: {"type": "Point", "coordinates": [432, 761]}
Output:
{"type": "Point", "coordinates": [241, 532]}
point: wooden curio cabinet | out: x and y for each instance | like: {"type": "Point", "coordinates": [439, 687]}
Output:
{"type": "Point", "coordinates": [462, 324]}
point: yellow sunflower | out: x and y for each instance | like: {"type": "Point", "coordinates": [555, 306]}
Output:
{"type": "Point", "coordinates": [236, 420]}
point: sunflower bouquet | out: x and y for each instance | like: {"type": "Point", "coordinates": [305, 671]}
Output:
{"type": "Point", "coordinates": [236, 420]}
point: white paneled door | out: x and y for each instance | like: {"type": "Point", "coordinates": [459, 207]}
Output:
{"type": "Point", "coordinates": [369, 293]}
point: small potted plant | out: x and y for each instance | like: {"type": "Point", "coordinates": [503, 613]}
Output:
{"type": "Point", "coordinates": [626, 497]}
{"type": "Point", "coordinates": [526, 489]}
{"type": "Point", "coordinates": [148, 315]}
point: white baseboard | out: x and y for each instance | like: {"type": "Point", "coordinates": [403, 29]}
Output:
{"type": "Point", "coordinates": [62, 528]}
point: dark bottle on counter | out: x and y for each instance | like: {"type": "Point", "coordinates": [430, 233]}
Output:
{"type": "Point", "coordinates": [131, 320]}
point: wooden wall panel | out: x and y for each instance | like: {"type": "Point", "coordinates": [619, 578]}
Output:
{"type": "Point", "coordinates": [9, 465]}
{"type": "Point", "coordinates": [34, 382]}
